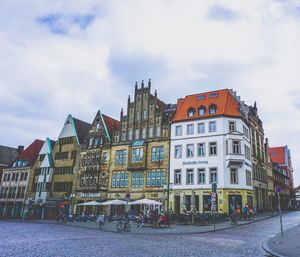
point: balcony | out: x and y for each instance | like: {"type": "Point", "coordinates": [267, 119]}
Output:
{"type": "Point", "coordinates": [235, 159]}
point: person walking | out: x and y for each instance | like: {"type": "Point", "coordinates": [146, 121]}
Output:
{"type": "Point", "coordinates": [100, 220]}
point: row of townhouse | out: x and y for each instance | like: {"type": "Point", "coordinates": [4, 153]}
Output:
{"type": "Point", "coordinates": [166, 152]}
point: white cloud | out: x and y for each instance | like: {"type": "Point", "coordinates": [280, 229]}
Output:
{"type": "Point", "coordinates": [180, 45]}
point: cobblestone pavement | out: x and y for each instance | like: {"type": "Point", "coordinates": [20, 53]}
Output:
{"type": "Point", "coordinates": [38, 240]}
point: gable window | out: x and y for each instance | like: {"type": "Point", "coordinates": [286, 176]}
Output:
{"type": "Point", "coordinates": [178, 151]}
{"type": "Point", "coordinates": [130, 134]}
{"type": "Point", "coordinates": [201, 128]}
{"type": "Point", "coordinates": [212, 126]}
{"type": "Point", "coordinates": [201, 110]}
{"type": "Point", "coordinates": [190, 129]}
{"type": "Point", "coordinates": [137, 134]}
{"type": "Point", "coordinates": [137, 154]}
{"type": "Point", "coordinates": [201, 149]}
{"type": "Point", "coordinates": [144, 133]}
{"type": "Point", "coordinates": [157, 154]}
{"type": "Point", "coordinates": [212, 109]}
{"type": "Point", "coordinates": [104, 157]}
{"type": "Point", "coordinates": [190, 150]}
{"type": "Point", "coordinates": [145, 114]}
{"type": "Point", "coordinates": [178, 130]}
{"type": "Point", "coordinates": [158, 131]}
{"type": "Point", "coordinates": [191, 112]}
{"type": "Point", "coordinates": [177, 177]}
{"type": "Point", "coordinates": [232, 126]}
{"type": "Point", "coordinates": [150, 132]}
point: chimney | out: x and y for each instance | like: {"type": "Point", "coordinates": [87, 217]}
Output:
{"type": "Point", "coordinates": [20, 149]}
{"type": "Point", "coordinates": [149, 84]}
{"type": "Point", "coordinates": [142, 83]}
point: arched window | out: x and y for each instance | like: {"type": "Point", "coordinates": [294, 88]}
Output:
{"type": "Point", "coordinates": [212, 109]}
{"type": "Point", "coordinates": [191, 112]}
{"type": "Point", "coordinates": [201, 110]}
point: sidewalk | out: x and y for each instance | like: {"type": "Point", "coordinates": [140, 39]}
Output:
{"type": "Point", "coordinates": [288, 245]}
{"type": "Point", "coordinates": [173, 229]}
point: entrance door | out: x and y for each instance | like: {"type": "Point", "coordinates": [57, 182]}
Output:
{"type": "Point", "coordinates": [177, 204]}
{"type": "Point", "coordinates": [234, 201]}
{"type": "Point", "coordinates": [206, 203]}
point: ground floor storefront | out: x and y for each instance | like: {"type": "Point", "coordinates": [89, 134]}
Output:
{"type": "Point", "coordinates": [199, 200]}
{"type": "Point", "coordinates": [11, 209]}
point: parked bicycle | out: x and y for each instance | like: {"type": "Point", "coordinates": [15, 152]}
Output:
{"type": "Point", "coordinates": [124, 225]}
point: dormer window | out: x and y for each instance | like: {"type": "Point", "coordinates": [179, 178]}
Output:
{"type": "Point", "coordinates": [212, 109]}
{"type": "Point", "coordinates": [191, 112]}
{"type": "Point", "coordinates": [201, 110]}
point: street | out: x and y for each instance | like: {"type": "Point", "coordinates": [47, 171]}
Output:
{"type": "Point", "coordinates": [32, 239]}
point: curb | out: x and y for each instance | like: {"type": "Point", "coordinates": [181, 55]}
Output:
{"type": "Point", "coordinates": [266, 248]}
{"type": "Point", "coordinates": [155, 234]}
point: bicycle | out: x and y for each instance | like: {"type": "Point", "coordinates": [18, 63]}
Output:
{"type": "Point", "coordinates": [124, 225]}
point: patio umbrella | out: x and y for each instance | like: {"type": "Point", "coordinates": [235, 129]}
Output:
{"type": "Point", "coordinates": [113, 202]}
{"type": "Point", "coordinates": [145, 201]}
{"type": "Point", "coordinates": [91, 203]}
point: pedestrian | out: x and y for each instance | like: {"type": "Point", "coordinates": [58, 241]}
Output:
{"type": "Point", "coordinates": [140, 220]}
{"type": "Point", "coordinates": [163, 219]}
{"type": "Point", "coordinates": [238, 211]}
{"type": "Point", "coordinates": [246, 212]}
{"type": "Point", "coordinates": [100, 220]}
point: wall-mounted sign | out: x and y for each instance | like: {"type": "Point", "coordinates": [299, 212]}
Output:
{"type": "Point", "coordinates": [138, 143]}
{"type": "Point", "coordinates": [194, 162]}
{"type": "Point", "coordinates": [89, 195]}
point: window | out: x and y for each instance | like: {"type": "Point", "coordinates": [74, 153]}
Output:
{"type": "Point", "coordinates": [137, 154]}
{"type": "Point", "coordinates": [190, 150]}
{"type": "Point", "coordinates": [150, 132]}
{"type": "Point", "coordinates": [123, 137]}
{"type": "Point", "coordinates": [145, 114]}
{"type": "Point", "coordinates": [248, 178]}
{"type": "Point", "coordinates": [178, 151]}
{"type": "Point", "coordinates": [233, 176]}
{"type": "Point", "coordinates": [201, 97]}
{"type": "Point", "coordinates": [104, 157]}
{"type": "Point", "coordinates": [190, 129]}
{"type": "Point", "coordinates": [120, 179]}
{"type": "Point", "coordinates": [213, 148]}
{"type": "Point", "coordinates": [236, 149]}
{"type": "Point", "coordinates": [212, 95]}
{"type": "Point", "coordinates": [177, 177]}
{"type": "Point", "coordinates": [201, 149]}
{"type": "Point", "coordinates": [189, 176]}
{"type": "Point", "coordinates": [213, 175]}
{"type": "Point", "coordinates": [246, 131]}
{"type": "Point", "coordinates": [91, 141]}
{"type": "Point", "coordinates": [137, 134]}
{"type": "Point", "coordinates": [121, 157]}
{"type": "Point", "coordinates": [158, 131]}
{"type": "Point", "coordinates": [201, 128]}
{"type": "Point", "coordinates": [157, 154]}
{"type": "Point", "coordinates": [137, 179]}
{"type": "Point", "coordinates": [130, 134]}
{"type": "Point", "coordinates": [178, 130]}
{"type": "Point", "coordinates": [232, 126]}
{"type": "Point", "coordinates": [201, 176]}
{"type": "Point", "coordinates": [156, 178]}
{"type": "Point", "coordinates": [212, 126]}
{"type": "Point", "coordinates": [191, 112]}
{"type": "Point", "coordinates": [247, 152]}
{"type": "Point", "coordinates": [201, 110]}
{"type": "Point", "coordinates": [212, 109]}
{"type": "Point", "coordinates": [144, 133]}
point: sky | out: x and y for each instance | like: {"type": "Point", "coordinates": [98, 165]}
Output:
{"type": "Point", "coordinates": [61, 57]}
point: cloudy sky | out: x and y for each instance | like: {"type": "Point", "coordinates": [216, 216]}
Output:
{"type": "Point", "coordinates": [60, 57]}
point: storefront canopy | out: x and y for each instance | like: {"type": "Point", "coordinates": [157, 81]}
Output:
{"type": "Point", "coordinates": [91, 203]}
{"type": "Point", "coordinates": [145, 201]}
{"type": "Point", "coordinates": [113, 202]}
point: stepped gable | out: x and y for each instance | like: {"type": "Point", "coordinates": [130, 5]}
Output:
{"type": "Point", "coordinates": [226, 105]}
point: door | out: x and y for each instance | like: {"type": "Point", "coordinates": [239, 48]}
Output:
{"type": "Point", "coordinates": [234, 201]}
{"type": "Point", "coordinates": [177, 204]}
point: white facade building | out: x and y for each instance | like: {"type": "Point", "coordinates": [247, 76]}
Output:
{"type": "Point", "coordinates": [209, 143]}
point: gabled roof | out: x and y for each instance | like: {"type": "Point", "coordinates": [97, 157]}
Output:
{"type": "Point", "coordinates": [111, 124]}
{"type": "Point", "coordinates": [277, 154]}
{"type": "Point", "coordinates": [31, 152]}
{"type": "Point", "coordinates": [48, 161]}
{"type": "Point", "coordinates": [223, 99]}
{"type": "Point", "coordinates": [74, 128]}
{"type": "Point", "coordinates": [7, 154]}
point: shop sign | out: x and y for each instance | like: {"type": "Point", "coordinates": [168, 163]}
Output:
{"type": "Point", "coordinates": [194, 162]}
{"type": "Point", "coordinates": [89, 195]}
{"type": "Point", "coordinates": [138, 143]}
